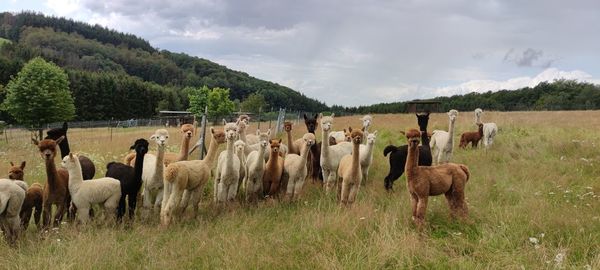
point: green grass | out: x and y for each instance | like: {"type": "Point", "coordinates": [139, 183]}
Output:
{"type": "Point", "coordinates": [541, 177]}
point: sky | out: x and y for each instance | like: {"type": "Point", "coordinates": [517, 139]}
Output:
{"type": "Point", "coordinates": [360, 52]}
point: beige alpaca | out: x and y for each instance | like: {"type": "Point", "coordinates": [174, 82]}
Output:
{"type": "Point", "coordinates": [228, 168]}
{"type": "Point", "coordinates": [331, 155]}
{"type": "Point", "coordinates": [294, 147]}
{"type": "Point", "coordinates": [152, 173]}
{"type": "Point", "coordinates": [187, 132]}
{"type": "Point", "coordinates": [255, 169]}
{"type": "Point", "coordinates": [12, 196]}
{"type": "Point", "coordinates": [349, 171]}
{"type": "Point", "coordinates": [423, 181]}
{"type": "Point", "coordinates": [442, 142]}
{"type": "Point", "coordinates": [190, 176]}
{"type": "Point", "coordinates": [294, 168]}
{"type": "Point", "coordinates": [273, 171]}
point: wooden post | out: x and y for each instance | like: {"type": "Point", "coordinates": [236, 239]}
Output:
{"type": "Point", "coordinates": [203, 133]}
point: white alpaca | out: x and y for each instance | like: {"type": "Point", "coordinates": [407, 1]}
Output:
{"type": "Point", "coordinates": [367, 120]}
{"type": "Point", "coordinates": [283, 149]}
{"type": "Point", "coordinates": [255, 168]}
{"type": "Point", "coordinates": [331, 155]}
{"type": "Point", "coordinates": [152, 173]}
{"type": "Point", "coordinates": [12, 196]}
{"type": "Point", "coordinates": [294, 168]}
{"type": "Point", "coordinates": [366, 155]}
{"type": "Point", "coordinates": [188, 176]}
{"type": "Point", "coordinates": [239, 151]}
{"type": "Point", "coordinates": [442, 143]}
{"type": "Point", "coordinates": [489, 129]}
{"type": "Point", "coordinates": [105, 191]}
{"type": "Point", "coordinates": [338, 136]}
{"type": "Point", "coordinates": [228, 168]}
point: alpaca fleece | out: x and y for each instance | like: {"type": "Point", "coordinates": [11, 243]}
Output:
{"type": "Point", "coordinates": [471, 137]}
{"type": "Point", "coordinates": [11, 200]}
{"type": "Point", "coordinates": [87, 166]}
{"type": "Point", "coordinates": [294, 168]}
{"type": "Point", "coordinates": [349, 171]}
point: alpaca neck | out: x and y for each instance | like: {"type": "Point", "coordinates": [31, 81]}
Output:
{"type": "Point", "coordinates": [304, 155]}
{"type": "Point", "coordinates": [160, 156]}
{"type": "Point", "coordinates": [259, 162]}
{"type": "Point", "coordinates": [450, 135]}
{"type": "Point", "coordinates": [477, 118]}
{"type": "Point", "coordinates": [185, 148]}
{"type": "Point", "coordinates": [290, 141]}
{"type": "Point", "coordinates": [138, 166]}
{"type": "Point", "coordinates": [212, 152]}
{"type": "Point", "coordinates": [273, 158]}
{"type": "Point", "coordinates": [241, 156]}
{"type": "Point", "coordinates": [355, 158]}
{"type": "Point", "coordinates": [51, 172]}
{"type": "Point", "coordinates": [75, 175]}
{"type": "Point", "coordinates": [412, 161]}
{"type": "Point", "coordinates": [229, 153]}
{"type": "Point", "coordinates": [242, 134]}
{"type": "Point", "coordinates": [480, 131]}
{"type": "Point", "coordinates": [424, 137]}
{"type": "Point", "coordinates": [64, 147]}
{"type": "Point", "coordinates": [325, 144]}
{"type": "Point", "coordinates": [370, 147]}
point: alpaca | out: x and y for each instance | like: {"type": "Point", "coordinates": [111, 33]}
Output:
{"type": "Point", "coordinates": [350, 171]}
{"type": "Point", "coordinates": [130, 178]}
{"type": "Point", "coordinates": [255, 169]}
{"type": "Point", "coordinates": [239, 151]}
{"type": "Point", "coordinates": [366, 155]}
{"type": "Point", "coordinates": [448, 179]}
{"type": "Point", "coordinates": [89, 170]}
{"type": "Point", "coordinates": [338, 136]}
{"type": "Point", "coordinates": [105, 191]}
{"type": "Point", "coordinates": [294, 147]}
{"type": "Point", "coordinates": [442, 142]}
{"type": "Point", "coordinates": [152, 173]}
{"type": "Point", "coordinates": [472, 137]}
{"type": "Point", "coordinates": [398, 153]}
{"type": "Point", "coordinates": [331, 155]}
{"type": "Point", "coordinates": [187, 131]}
{"type": "Point", "coordinates": [188, 175]}
{"type": "Point", "coordinates": [56, 189]}
{"type": "Point", "coordinates": [366, 120]}
{"type": "Point", "coordinates": [228, 169]}
{"type": "Point", "coordinates": [314, 158]}
{"type": "Point", "coordinates": [244, 118]}
{"type": "Point", "coordinates": [489, 129]}
{"type": "Point", "coordinates": [294, 168]}
{"type": "Point", "coordinates": [12, 196]}
{"type": "Point", "coordinates": [273, 171]}
{"type": "Point", "coordinates": [33, 196]}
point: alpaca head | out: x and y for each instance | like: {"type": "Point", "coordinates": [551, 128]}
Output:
{"type": "Point", "coordinates": [231, 131]}
{"type": "Point", "coordinates": [326, 122]}
{"type": "Point", "coordinates": [309, 139]}
{"type": "Point", "coordinates": [275, 144]}
{"type": "Point", "coordinates": [241, 126]}
{"type": "Point", "coordinates": [55, 133]}
{"type": "Point", "coordinates": [478, 113]}
{"type": "Point", "coordinates": [366, 121]}
{"type": "Point", "coordinates": [140, 146]}
{"type": "Point", "coordinates": [311, 123]}
{"type": "Point", "coordinates": [218, 135]}
{"type": "Point", "coordinates": [187, 130]}
{"type": "Point", "coordinates": [357, 136]}
{"type": "Point", "coordinates": [70, 162]}
{"type": "Point", "coordinates": [263, 138]}
{"type": "Point", "coordinates": [452, 114]}
{"type": "Point", "coordinates": [239, 146]}
{"type": "Point", "coordinates": [413, 137]}
{"type": "Point", "coordinates": [287, 126]}
{"type": "Point", "coordinates": [47, 147]}
{"type": "Point", "coordinates": [371, 138]}
{"type": "Point", "coordinates": [161, 137]}
{"type": "Point", "coordinates": [16, 172]}
{"type": "Point", "coordinates": [423, 120]}
{"type": "Point", "coordinates": [243, 118]}
{"type": "Point", "coordinates": [348, 134]}
{"type": "Point", "coordinates": [480, 127]}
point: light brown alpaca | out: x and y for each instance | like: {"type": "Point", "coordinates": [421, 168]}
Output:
{"type": "Point", "coordinates": [273, 171]}
{"type": "Point", "coordinates": [187, 131]}
{"type": "Point", "coordinates": [56, 189]}
{"type": "Point", "coordinates": [293, 146]}
{"type": "Point", "coordinates": [190, 176]}
{"type": "Point", "coordinates": [33, 197]}
{"type": "Point", "coordinates": [422, 181]}
{"type": "Point", "coordinates": [349, 171]}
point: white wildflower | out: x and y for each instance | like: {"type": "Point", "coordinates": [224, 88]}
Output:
{"type": "Point", "coordinates": [562, 158]}
{"type": "Point", "coordinates": [559, 258]}
{"type": "Point", "coordinates": [534, 240]}
{"type": "Point", "coordinates": [363, 218]}
{"type": "Point", "coordinates": [541, 235]}
{"type": "Point", "coordinates": [551, 193]}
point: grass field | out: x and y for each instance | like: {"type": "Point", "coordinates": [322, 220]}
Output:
{"type": "Point", "coordinates": [540, 180]}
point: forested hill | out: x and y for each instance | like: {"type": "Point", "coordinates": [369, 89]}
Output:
{"type": "Point", "coordinates": [121, 76]}
{"type": "Point", "coordinates": [557, 95]}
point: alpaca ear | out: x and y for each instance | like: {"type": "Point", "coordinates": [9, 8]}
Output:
{"type": "Point", "coordinates": [350, 129]}
{"type": "Point", "coordinates": [12, 164]}
{"type": "Point", "coordinates": [224, 121]}
{"type": "Point", "coordinates": [332, 115]}
{"type": "Point", "coordinates": [60, 139]}
{"type": "Point", "coordinates": [344, 130]}
{"type": "Point", "coordinates": [318, 115]}
{"type": "Point", "coordinates": [154, 135]}
{"type": "Point", "coordinates": [375, 133]}
{"type": "Point", "coordinates": [34, 141]}
{"type": "Point", "coordinates": [212, 130]}
{"type": "Point", "coordinates": [71, 155]}
{"type": "Point", "coordinates": [257, 132]}
{"type": "Point", "coordinates": [305, 118]}
{"type": "Point", "coordinates": [65, 126]}
{"type": "Point", "coordinates": [23, 164]}
{"type": "Point", "coordinates": [279, 140]}
{"type": "Point", "coordinates": [269, 133]}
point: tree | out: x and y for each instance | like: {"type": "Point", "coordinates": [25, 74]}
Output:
{"type": "Point", "coordinates": [253, 103]}
{"type": "Point", "coordinates": [39, 95]}
{"type": "Point", "coordinates": [198, 99]}
{"type": "Point", "coordinates": [217, 99]}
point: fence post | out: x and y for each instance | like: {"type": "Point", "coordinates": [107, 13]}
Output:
{"type": "Point", "coordinates": [259, 110]}
{"type": "Point", "coordinates": [203, 133]}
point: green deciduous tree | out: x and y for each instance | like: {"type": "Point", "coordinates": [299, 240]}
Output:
{"type": "Point", "coordinates": [253, 103]}
{"type": "Point", "coordinates": [39, 95]}
{"type": "Point", "coordinates": [217, 99]}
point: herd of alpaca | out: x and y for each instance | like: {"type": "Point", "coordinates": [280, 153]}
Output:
{"type": "Point", "coordinates": [252, 167]}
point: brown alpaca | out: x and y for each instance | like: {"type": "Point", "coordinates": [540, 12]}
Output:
{"type": "Point", "coordinates": [187, 131]}
{"type": "Point", "coordinates": [349, 171]}
{"type": "Point", "coordinates": [293, 146]}
{"type": "Point", "coordinates": [422, 181]}
{"type": "Point", "coordinates": [33, 197]}
{"type": "Point", "coordinates": [56, 189]}
{"type": "Point", "coordinates": [472, 137]}
{"type": "Point", "coordinates": [273, 171]}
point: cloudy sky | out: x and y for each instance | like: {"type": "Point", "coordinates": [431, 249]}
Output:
{"type": "Point", "coordinates": [362, 52]}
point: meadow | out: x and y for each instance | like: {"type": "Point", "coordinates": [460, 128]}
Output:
{"type": "Point", "coordinates": [534, 202]}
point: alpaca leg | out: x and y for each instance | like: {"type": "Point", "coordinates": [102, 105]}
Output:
{"type": "Point", "coordinates": [82, 214]}
{"type": "Point", "coordinates": [298, 188]}
{"type": "Point", "coordinates": [353, 192]}
{"type": "Point", "coordinates": [132, 203]}
{"type": "Point", "coordinates": [172, 202]}
{"type": "Point", "coordinates": [216, 188]}
{"type": "Point", "coordinates": [289, 191]}
{"type": "Point", "coordinates": [146, 203]}
{"type": "Point", "coordinates": [330, 180]}
{"type": "Point", "coordinates": [47, 215]}
{"type": "Point", "coordinates": [221, 194]}
{"type": "Point", "coordinates": [159, 199]}
{"type": "Point", "coordinates": [185, 199]}
{"type": "Point", "coordinates": [60, 211]}
{"type": "Point", "coordinates": [233, 188]}
{"type": "Point", "coordinates": [12, 229]}
{"type": "Point", "coordinates": [274, 191]}
{"type": "Point", "coordinates": [325, 173]}
{"type": "Point", "coordinates": [121, 208]}
{"type": "Point", "coordinates": [194, 201]}
{"type": "Point", "coordinates": [25, 217]}
{"type": "Point", "coordinates": [414, 200]}
{"type": "Point", "coordinates": [421, 208]}
{"type": "Point", "coordinates": [345, 192]}
{"type": "Point", "coordinates": [36, 215]}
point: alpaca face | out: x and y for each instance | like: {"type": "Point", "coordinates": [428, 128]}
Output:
{"type": "Point", "coordinates": [187, 130]}
{"type": "Point", "coordinates": [70, 162]}
{"type": "Point", "coordinates": [326, 123]}
{"type": "Point", "coordinates": [371, 138]}
{"type": "Point", "coordinates": [366, 121]}
{"type": "Point", "coordinates": [140, 146]}
{"type": "Point", "coordinates": [231, 131]}
{"type": "Point", "coordinates": [55, 133]}
{"type": "Point", "coordinates": [348, 134]}
{"type": "Point", "coordinates": [423, 120]}
{"type": "Point", "coordinates": [16, 172]}
{"type": "Point", "coordinates": [357, 136]}
{"type": "Point", "coordinates": [47, 147]}
{"type": "Point", "coordinates": [311, 123]}
{"type": "Point", "coordinates": [239, 146]}
{"type": "Point", "coordinates": [287, 126]}
{"type": "Point", "coordinates": [275, 144]}
{"type": "Point", "coordinates": [244, 118]}
{"type": "Point", "coordinates": [218, 135]}
{"type": "Point", "coordinates": [413, 136]}
{"type": "Point", "coordinates": [241, 125]}
{"type": "Point", "coordinates": [161, 137]}
{"type": "Point", "coordinates": [309, 139]}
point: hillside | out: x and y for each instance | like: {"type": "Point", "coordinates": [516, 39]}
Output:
{"type": "Point", "coordinates": [108, 69]}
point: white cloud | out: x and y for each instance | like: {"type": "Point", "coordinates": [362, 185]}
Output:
{"type": "Point", "coordinates": [64, 7]}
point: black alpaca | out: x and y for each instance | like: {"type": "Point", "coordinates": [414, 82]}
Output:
{"type": "Point", "coordinates": [314, 157]}
{"type": "Point", "coordinates": [87, 166]}
{"type": "Point", "coordinates": [398, 153]}
{"type": "Point", "coordinates": [130, 178]}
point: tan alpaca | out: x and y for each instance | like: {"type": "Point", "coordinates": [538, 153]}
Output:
{"type": "Point", "coordinates": [294, 147]}
{"type": "Point", "coordinates": [273, 171]}
{"type": "Point", "coordinates": [294, 168]}
{"type": "Point", "coordinates": [190, 176]}
{"type": "Point", "coordinates": [423, 181]}
{"type": "Point", "coordinates": [187, 131]}
{"type": "Point", "coordinates": [349, 171]}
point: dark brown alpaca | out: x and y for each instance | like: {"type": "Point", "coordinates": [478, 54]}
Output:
{"type": "Point", "coordinates": [422, 181]}
{"type": "Point", "coordinates": [472, 137]}
{"type": "Point", "coordinates": [314, 158]}
{"type": "Point", "coordinates": [273, 171]}
{"type": "Point", "coordinates": [33, 197]}
{"type": "Point", "coordinates": [56, 189]}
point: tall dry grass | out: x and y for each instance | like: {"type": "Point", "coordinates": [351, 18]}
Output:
{"type": "Point", "coordinates": [540, 182]}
